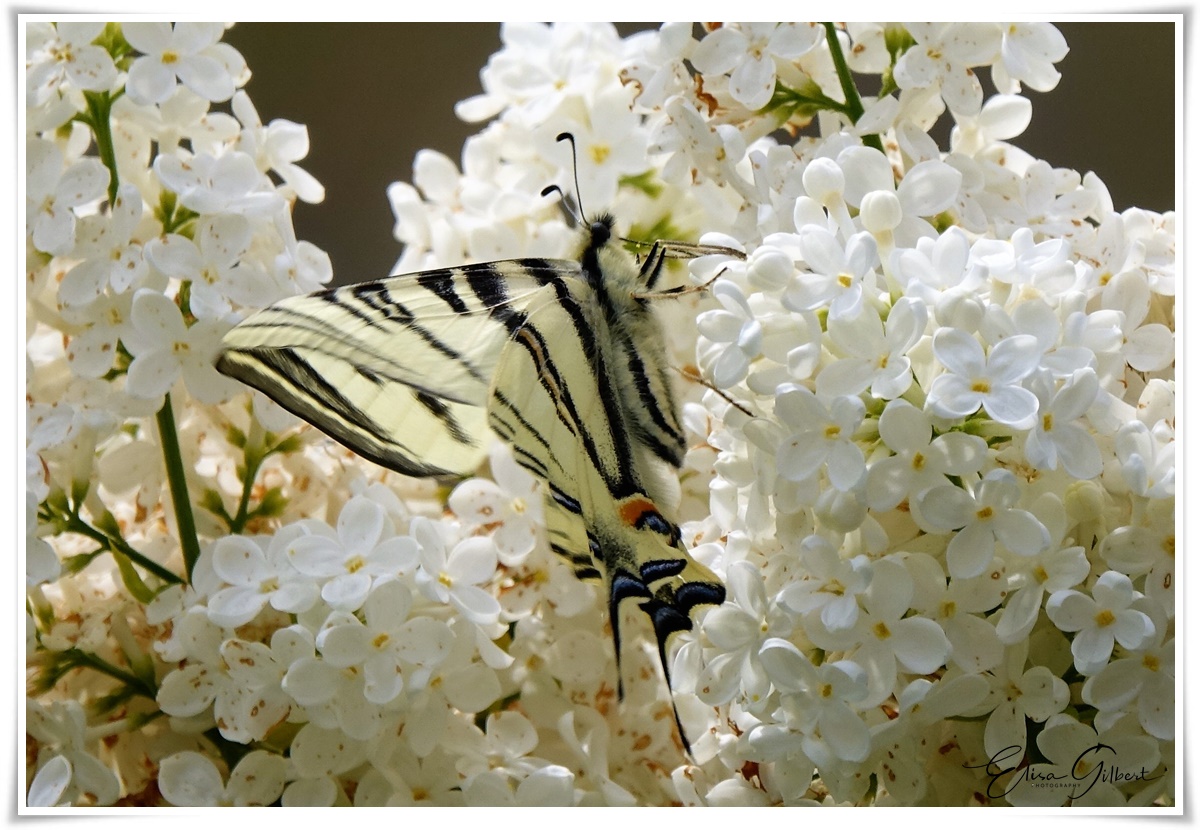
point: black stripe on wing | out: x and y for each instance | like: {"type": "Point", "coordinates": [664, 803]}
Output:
{"type": "Point", "coordinates": [670, 450]}
{"type": "Point", "coordinates": [295, 384]}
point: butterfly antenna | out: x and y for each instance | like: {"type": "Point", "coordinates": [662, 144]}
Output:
{"type": "Point", "coordinates": [574, 168]}
{"type": "Point", "coordinates": [563, 202]}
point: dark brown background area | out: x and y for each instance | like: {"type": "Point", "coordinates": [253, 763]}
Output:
{"type": "Point", "coordinates": [373, 94]}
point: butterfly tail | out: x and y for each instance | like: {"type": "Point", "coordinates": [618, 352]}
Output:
{"type": "Point", "coordinates": [671, 588]}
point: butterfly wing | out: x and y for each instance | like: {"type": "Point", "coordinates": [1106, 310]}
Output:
{"type": "Point", "coordinates": [558, 399]}
{"type": "Point", "coordinates": [398, 370]}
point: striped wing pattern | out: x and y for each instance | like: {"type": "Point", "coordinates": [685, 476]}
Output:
{"type": "Point", "coordinates": [555, 356]}
{"type": "Point", "coordinates": [398, 370]}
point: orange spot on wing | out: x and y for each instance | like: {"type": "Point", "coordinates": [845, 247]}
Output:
{"type": "Point", "coordinates": [633, 510]}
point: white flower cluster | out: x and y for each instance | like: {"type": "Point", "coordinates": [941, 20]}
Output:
{"type": "Point", "coordinates": [938, 477]}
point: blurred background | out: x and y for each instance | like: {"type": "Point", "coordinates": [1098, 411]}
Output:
{"type": "Point", "coordinates": [373, 94]}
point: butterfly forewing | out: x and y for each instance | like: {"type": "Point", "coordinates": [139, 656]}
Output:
{"type": "Point", "coordinates": [398, 370]}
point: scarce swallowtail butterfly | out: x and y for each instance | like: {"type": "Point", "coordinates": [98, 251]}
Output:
{"type": "Point", "coordinates": [563, 359]}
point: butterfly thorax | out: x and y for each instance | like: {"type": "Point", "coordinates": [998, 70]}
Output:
{"type": "Point", "coordinates": [632, 351]}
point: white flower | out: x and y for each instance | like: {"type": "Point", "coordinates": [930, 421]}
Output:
{"type": "Point", "coordinates": [60, 731]}
{"type": "Point", "coordinates": [1101, 620]}
{"type": "Point", "coordinates": [41, 561]}
{"type": "Point", "coordinates": [318, 755]}
{"type": "Point", "coordinates": [1018, 694]}
{"type": "Point", "coordinates": [942, 58]}
{"type": "Point", "coordinates": [387, 642]}
{"type": "Point", "coordinates": [747, 51]}
{"type": "Point", "coordinates": [1150, 549]}
{"type": "Point", "coordinates": [542, 65]}
{"type": "Point", "coordinates": [611, 144]}
{"type": "Point", "coordinates": [921, 461]}
{"type": "Point", "coordinates": [830, 588]}
{"type": "Point", "coordinates": [256, 578]}
{"type": "Point", "coordinates": [982, 519]}
{"type": "Point", "coordinates": [939, 270]}
{"type": "Point", "coordinates": [993, 382]}
{"type": "Point", "coordinates": [511, 506]}
{"type": "Point", "coordinates": [875, 351]}
{"type": "Point", "coordinates": [52, 193]}
{"type": "Point", "coordinates": [104, 321]}
{"type": "Point", "coordinates": [1055, 569]}
{"type": "Point", "coordinates": [1002, 117]}
{"type": "Point", "coordinates": [215, 265]}
{"type": "Point", "coordinates": [333, 698]}
{"type": "Point", "coordinates": [819, 436]}
{"type": "Point", "coordinates": [254, 702]}
{"type": "Point", "coordinates": [1055, 436]}
{"type": "Point", "coordinates": [1147, 462]}
{"type": "Point", "coordinates": [736, 330]}
{"type": "Point", "coordinates": [840, 275]}
{"type": "Point", "coordinates": [277, 146]}
{"type": "Point", "coordinates": [164, 349]}
{"type": "Point", "coordinates": [820, 702]}
{"type": "Point", "coordinates": [890, 639]}
{"type": "Point", "coordinates": [189, 779]}
{"type": "Point", "coordinates": [900, 746]}
{"type": "Point", "coordinates": [185, 52]}
{"type": "Point", "coordinates": [61, 55]}
{"type": "Point", "coordinates": [1028, 52]}
{"type": "Point", "coordinates": [591, 754]}
{"type": "Point", "coordinates": [957, 605]}
{"type": "Point", "coordinates": [738, 629]}
{"type": "Point", "coordinates": [228, 183]}
{"type": "Point", "coordinates": [454, 576]}
{"type": "Point", "coordinates": [50, 784]}
{"type": "Point", "coordinates": [508, 739]}
{"type": "Point", "coordinates": [1144, 683]}
{"type": "Point", "coordinates": [110, 255]}
{"type": "Point", "coordinates": [363, 551]}
{"type": "Point", "coordinates": [550, 786]}
{"type": "Point", "coordinates": [304, 266]}
{"type": "Point", "coordinates": [928, 188]}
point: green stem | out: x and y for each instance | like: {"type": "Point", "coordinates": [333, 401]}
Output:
{"type": "Point", "coordinates": [138, 685]}
{"type": "Point", "coordinates": [118, 546]}
{"type": "Point", "coordinates": [255, 453]}
{"type": "Point", "coordinates": [177, 480]}
{"type": "Point", "coordinates": [99, 110]}
{"type": "Point", "coordinates": [854, 107]}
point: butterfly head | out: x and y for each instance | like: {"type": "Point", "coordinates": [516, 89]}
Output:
{"type": "Point", "coordinates": [601, 230]}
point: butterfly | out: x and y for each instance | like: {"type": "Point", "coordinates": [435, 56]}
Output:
{"type": "Point", "coordinates": [563, 359]}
